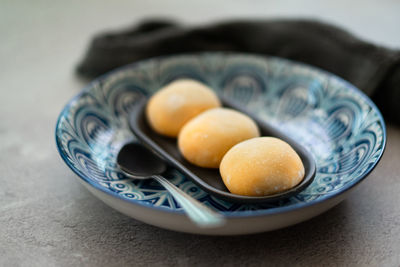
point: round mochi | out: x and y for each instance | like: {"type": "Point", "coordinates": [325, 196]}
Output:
{"type": "Point", "coordinates": [261, 166]}
{"type": "Point", "coordinates": [178, 102]}
{"type": "Point", "coordinates": [205, 139]}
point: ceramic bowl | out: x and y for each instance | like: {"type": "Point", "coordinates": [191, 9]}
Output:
{"type": "Point", "coordinates": [338, 124]}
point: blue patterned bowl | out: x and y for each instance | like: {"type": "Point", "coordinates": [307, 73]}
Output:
{"type": "Point", "coordinates": [340, 126]}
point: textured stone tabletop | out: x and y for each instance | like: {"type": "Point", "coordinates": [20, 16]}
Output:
{"type": "Point", "coordinates": [48, 219]}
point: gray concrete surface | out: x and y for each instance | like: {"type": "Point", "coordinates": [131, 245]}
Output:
{"type": "Point", "coordinates": [48, 219]}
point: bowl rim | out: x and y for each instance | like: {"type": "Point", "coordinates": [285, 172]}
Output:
{"type": "Point", "coordinates": [229, 214]}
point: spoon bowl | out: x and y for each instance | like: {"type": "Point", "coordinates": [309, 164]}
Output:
{"type": "Point", "coordinates": [138, 162]}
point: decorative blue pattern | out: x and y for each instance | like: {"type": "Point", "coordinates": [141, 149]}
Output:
{"type": "Point", "coordinates": [339, 125]}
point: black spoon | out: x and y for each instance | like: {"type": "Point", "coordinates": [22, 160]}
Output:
{"type": "Point", "coordinates": [138, 162]}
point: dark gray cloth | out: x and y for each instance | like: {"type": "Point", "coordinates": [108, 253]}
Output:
{"type": "Point", "coordinates": [373, 69]}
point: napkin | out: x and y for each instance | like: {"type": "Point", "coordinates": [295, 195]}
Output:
{"type": "Point", "coordinates": [372, 68]}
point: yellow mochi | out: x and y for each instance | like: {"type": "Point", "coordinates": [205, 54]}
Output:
{"type": "Point", "coordinates": [178, 102]}
{"type": "Point", "coordinates": [205, 139]}
{"type": "Point", "coordinates": [261, 166]}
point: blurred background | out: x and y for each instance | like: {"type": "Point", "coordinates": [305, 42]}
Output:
{"type": "Point", "coordinates": [53, 35]}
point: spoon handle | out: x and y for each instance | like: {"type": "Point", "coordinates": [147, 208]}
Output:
{"type": "Point", "coordinates": [196, 211]}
